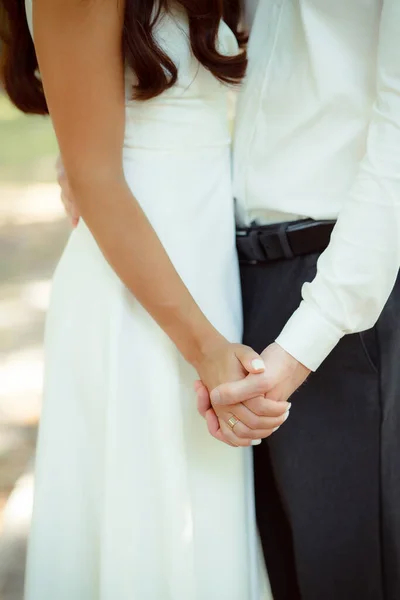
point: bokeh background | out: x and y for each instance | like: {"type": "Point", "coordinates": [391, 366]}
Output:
{"type": "Point", "coordinates": [33, 232]}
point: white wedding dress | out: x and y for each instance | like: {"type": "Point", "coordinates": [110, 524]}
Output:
{"type": "Point", "coordinates": [133, 499]}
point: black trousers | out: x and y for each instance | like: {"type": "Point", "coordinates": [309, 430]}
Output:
{"type": "Point", "coordinates": [328, 481]}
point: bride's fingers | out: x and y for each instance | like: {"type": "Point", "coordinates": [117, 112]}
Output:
{"type": "Point", "coordinates": [66, 194]}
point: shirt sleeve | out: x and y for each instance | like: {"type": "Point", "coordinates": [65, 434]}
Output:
{"type": "Point", "coordinates": [357, 272]}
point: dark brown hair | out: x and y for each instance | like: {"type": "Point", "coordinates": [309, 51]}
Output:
{"type": "Point", "coordinates": [154, 70]}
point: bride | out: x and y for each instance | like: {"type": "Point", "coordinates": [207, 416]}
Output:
{"type": "Point", "coordinates": [133, 499]}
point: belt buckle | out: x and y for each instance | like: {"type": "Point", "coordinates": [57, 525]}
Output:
{"type": "Point", "coordinates": [275, 243]}
{"type": "Point", "coordinates": [257, 246]}
{"type": "Point", "coordinates": [266, 245]}
{"type": "Point", "coordinates": [252, 251]}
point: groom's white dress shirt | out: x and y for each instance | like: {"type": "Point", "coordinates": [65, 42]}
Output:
{"type": "Point", "coordinates": [318, 135]}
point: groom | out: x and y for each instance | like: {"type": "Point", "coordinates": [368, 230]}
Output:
{"type": "Point", "coordinates": [317, 183]}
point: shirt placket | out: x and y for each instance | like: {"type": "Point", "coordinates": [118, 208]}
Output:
{"type": "Point", "coordinates": [261, 54]}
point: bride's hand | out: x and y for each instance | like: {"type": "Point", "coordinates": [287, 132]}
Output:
{"type": "Point", "coordinates": [223, 362]}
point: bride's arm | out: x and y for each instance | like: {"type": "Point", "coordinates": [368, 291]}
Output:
{"type": "Point", "coordinates": [78, 45]}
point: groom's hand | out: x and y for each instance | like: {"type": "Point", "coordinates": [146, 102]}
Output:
{"type": "Point", "coordinates": [282, 376]}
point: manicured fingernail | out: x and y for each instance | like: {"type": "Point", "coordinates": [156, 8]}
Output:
{"type": "Point", "coordinates": [255, 442]}
{"type": "Point", "coordinates": [289, 406]}
{"type": "Point", "coordinates": [258, 364]}
{"type": "Point", "coordinates": [276, 429]}
{"type": "Point", "coordinates": [286, 415]}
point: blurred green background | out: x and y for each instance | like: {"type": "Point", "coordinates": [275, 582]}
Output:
{"type": "Point", "coordinates": [33, 232]}
{"type": "Point", "coordinates": [27, 147]}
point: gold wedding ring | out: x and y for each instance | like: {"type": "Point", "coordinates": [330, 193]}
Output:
{"type": "Point", "coordinates": [232, 421]}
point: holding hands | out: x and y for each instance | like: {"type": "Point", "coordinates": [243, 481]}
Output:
{"type": "Point", "coordinates": [229, 420]}
{"type": "Point", "coordinates": [258, 401]}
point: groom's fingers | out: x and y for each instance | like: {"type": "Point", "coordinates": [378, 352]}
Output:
{"type": "Point", "coordinates": [214, 427]}
{"type": "Point", "coordinates": [203, 398]}
{"type": "Point", "coordinates": [240, 391]}
{"type": "Point", "coordinates": [212, 422]}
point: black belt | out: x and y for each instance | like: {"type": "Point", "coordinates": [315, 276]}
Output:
{"type": "Point", "coordinates": [266, 243]}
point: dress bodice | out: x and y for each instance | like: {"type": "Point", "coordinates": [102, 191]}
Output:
{"type": "Point", "coordinates": [193, 112]}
